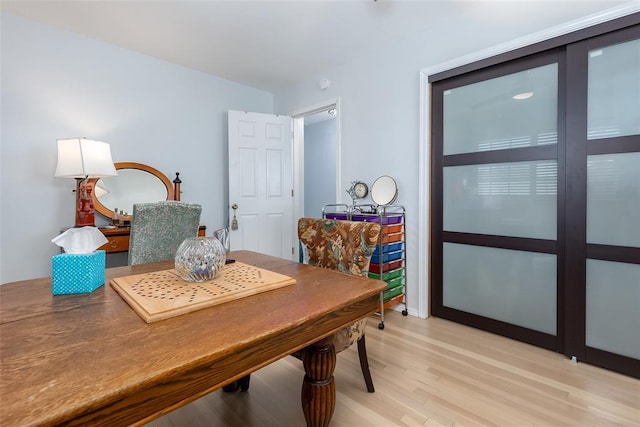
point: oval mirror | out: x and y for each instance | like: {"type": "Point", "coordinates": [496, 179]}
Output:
{"type": "Point", "coordinates": [384, 190]}
{"type": "Point", "coordinates": [135, 183]}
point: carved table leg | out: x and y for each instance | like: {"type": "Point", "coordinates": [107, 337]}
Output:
{"type": "Point", "coordinates": [318, 388]}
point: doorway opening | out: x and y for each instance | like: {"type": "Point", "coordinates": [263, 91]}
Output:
{"type": "Point", "coordinates": [316, 158]}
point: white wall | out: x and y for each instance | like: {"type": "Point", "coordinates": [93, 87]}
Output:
{"type": "Point", "coordinates": [57, 84]}
{"type": "Point", "coordinates": [320, 174]}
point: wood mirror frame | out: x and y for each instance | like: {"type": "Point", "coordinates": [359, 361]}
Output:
{"type": "Point", "coordinates": [172, 188]}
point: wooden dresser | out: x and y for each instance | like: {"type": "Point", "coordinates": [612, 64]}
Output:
{"type": "Point", "coordinates": [118, 238]}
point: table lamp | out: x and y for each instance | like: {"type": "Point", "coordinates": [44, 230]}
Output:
{"type": "Point", "coordinates": [82, 158]}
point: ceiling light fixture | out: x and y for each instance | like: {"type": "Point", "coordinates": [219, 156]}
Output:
{"type": "Point", "coordinates": [522, 95]}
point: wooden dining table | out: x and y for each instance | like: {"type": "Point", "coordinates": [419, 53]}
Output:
{"type": "Point", "coordinates": [90, 359]}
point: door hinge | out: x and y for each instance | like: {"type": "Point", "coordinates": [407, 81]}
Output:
{"type": "Point", "coordinates": [292, 250]}
{"type": "Point", "coordinates": [292, 192]}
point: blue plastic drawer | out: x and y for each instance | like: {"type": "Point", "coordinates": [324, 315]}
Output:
{"type": "Point", "coordinates": [392, 247]}
{"type": "Point", "coordinates": [386, 257]}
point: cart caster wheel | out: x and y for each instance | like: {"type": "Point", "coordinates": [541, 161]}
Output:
{"type": "Point", "coordinates": [405, 312]}
{"type": "Point", "coordinates": [381, 325]}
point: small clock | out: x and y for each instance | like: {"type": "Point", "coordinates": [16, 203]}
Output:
{"type": "Point", "coordinates": [360, 190]}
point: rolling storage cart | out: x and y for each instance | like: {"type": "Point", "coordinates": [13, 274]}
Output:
{"type": "Point", "coordinates": [388, 260]}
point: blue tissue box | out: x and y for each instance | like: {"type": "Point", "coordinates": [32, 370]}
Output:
{"type": "Point", "coordinates": [77, 273]}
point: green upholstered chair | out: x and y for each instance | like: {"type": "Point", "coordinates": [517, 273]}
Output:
{"type": "Point", "coordinates": [345, 246]}
{"type": "Point", "coordinates": [158, 229]}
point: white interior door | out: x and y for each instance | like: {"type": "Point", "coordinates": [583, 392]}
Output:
{"type": "Point", "coordinates": [261, 183]}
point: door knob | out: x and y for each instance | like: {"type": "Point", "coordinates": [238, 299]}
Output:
{"type": "Point", "coordinates": [234, 221]}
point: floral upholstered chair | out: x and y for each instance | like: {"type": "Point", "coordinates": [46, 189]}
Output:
{"type": "Point", "coordinates": [158, 229]}
{"type": "Point", "coordinates": [345, 246]}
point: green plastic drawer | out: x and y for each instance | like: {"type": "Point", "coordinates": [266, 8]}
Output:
{"type": "Point", "coordinates": [390, 293]}
{"type": "Point", "coordinates": [388, 275]}
{"type": "Point", "coordinates": [394, 283]}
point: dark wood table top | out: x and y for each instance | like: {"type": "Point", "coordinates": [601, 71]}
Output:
{"type": "Point", "coordinates": [89, 358]}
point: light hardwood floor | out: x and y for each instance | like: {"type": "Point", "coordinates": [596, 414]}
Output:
{"type": "Point", "coordinates": [433, 373]}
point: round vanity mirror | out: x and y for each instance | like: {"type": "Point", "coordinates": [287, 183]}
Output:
{"type": "Point", "coordinates": [384, 191]}
{"type": "Point", "coordinates": [135, 183]}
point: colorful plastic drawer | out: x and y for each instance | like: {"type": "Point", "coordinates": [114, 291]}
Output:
{"type": "Point", "coordinates": [394, 283]}
{"type": "Point", "coordinates": [388, 229]}
{"type": "Point", "coordinates": [387, 276]}
{"type": "Point", "coordinates": [339, 216]}
{"type": "Point", "coordinates": [387, 219]}
{"type": "Point", "coordinates": [375, 267]}
{"type": "Point", "coordinates": [390, 238]}
{"type": "Point", "coordinates": [388, 248]}
{"type": "Point", "coordinates": [386, 257]}
{"type": "Point", "coordinates": [388, 294]}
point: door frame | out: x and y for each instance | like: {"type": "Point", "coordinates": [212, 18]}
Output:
{"type": "Point", "coordinates": [297, 117]}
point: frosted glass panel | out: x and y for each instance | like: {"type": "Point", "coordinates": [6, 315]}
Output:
{"type": "Point", "coordinates": [613, 199]}
{"type": "Point", "coordinates": [614, 91]}
{"type": "Point", "coordinates": [508, 199]}
{"type": "Point", "coordinates": [613, 307]}
{"type": "Point", "coordinates": [512, 286]}
{"type": "Point", "coordinates": [485, 116]}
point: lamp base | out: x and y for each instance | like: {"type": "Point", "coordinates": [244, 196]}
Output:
{"type": "Point", "coordinates": [85, 214]}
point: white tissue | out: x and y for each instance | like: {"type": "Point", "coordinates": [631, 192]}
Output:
{"type": "Point", "coordinates": [82, 240]}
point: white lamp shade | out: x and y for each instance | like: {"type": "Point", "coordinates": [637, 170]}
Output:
{"type": "Point", "coordinates": [80, 158]}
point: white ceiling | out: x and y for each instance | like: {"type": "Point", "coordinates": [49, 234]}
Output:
{"type": "Point", "coordinates": [269, 44]}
